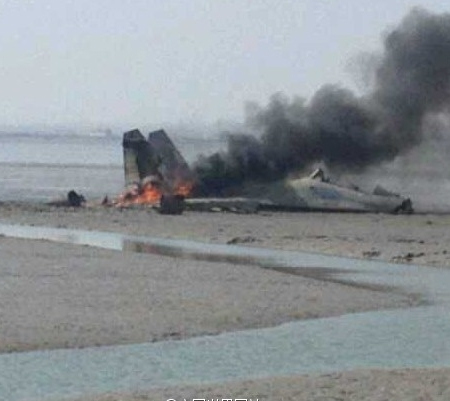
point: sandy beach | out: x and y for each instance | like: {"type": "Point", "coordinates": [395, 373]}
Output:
{"type": "Point", "coordinates": [363, 385]}
{"type": "Point", "coordinates": [66, 296]}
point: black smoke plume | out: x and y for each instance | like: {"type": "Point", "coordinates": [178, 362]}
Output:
{"type": "Point", "coordinates": [346, 132]}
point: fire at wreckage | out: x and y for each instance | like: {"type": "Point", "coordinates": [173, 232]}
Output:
{"type": "Point", "coordinates": [156, 173]}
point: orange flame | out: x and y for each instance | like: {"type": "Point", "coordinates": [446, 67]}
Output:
{"type": "Point", "coordinates": [150, 194]}
{"type": "Point", "coordinates": [184, 189]}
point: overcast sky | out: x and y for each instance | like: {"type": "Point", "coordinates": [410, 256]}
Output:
{"type": "Point", "coordinates": [154, 61]}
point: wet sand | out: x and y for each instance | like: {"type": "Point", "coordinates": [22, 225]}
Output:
{"type": "Point", "coordinates": [65, 296]}
{"type": "Point", "coordinates": [420, 239]}
{"type": "Point", "coordinates": [363, 385]}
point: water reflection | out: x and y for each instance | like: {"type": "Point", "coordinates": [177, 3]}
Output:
{"type": "Point", "coordinates": [184, 252]}
{"type": "Point", "coordinates": [432, 283]}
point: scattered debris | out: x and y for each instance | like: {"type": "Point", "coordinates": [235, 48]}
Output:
{"type": "Point", "coordinates": [242, 240]}
{"type": "Point", "coordinates": [74, 199]}
{"type": "Point", "coordinates": [171, 204]}
{"type": "Point", "coordinates": [407, 257]}
{"type": "Point", "coordinates": [317, 236]}
{"type": "Point", "coordinates": [371, 254]}
{"type": "Point", "coordinates": [233, 205]}
{"type": "Point", "coordinates": [408, 241]}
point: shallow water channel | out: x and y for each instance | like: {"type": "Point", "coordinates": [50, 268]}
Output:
{"type": "Point", "coordinates": [416, 337]}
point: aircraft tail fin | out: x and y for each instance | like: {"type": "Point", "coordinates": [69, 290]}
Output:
{"type": "Point", "coordinates": [173, 167]}
{"type": "Point", "coordinates": [155, 157]}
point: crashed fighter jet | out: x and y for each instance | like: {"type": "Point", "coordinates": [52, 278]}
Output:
{"type": "Point", "coordinates": [155, 168]}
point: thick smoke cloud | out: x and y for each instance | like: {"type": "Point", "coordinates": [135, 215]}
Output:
{"type": "Point", "coordinates": [340, 129]}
